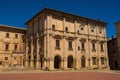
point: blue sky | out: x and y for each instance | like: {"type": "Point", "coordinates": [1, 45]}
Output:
{"type": "Point", "coordinates": [17, 12]}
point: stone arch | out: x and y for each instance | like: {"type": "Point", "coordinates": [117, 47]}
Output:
{"type": "Point", "coordinates": [70, 61]}
{"type": "Point", "coordinates": [83, 62]}
{"type": "Point", "coordinates": [57, 62]}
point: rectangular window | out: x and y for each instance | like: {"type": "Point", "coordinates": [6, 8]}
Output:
{"type": "Point", "coordinates": [93, 46]}
{"type": "Point", "coordinates": [15, 47]}
{"type": "Point", "coordinates": [83, 46]}
{"type": "Point", "coordinates": [6, 58]}
{"type": "Point", "coordinates": [102, 60]}
{"type": "Point", "coordinates": [70, 44]}
{"type": "Point", "coordinates": [0, 62]}
{"type": "Point", "coordinates": [6, 46]}
{"type": "Point", "coordinates": [16, 35]}
{"type": "Point", "coordinates": [94, 60]}
{"type": "Point", "coordinates": [7, 35]}
{"type": "Point", "coordinates": [57, 43]}
{"type": "Point", "coordinates": [53, 27]}
{"type": "Point", "coordinates": [78, 48]}
{"type": "Point", "coordinates": [101, 45]}
{"type": "Point", "coordinates": [66, 29]}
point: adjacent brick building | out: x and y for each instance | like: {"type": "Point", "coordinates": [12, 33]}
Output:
{"type": "Point", "coordinates": [114, 49]}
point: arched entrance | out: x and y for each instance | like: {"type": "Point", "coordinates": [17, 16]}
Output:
{"type": "Point", "coordinates": [116, 64]}
{"type": "Point", "coordinates": [70, 61]}
{"type": "Point", "coordinates": [83, 62]}
{"type": "Point", "coordinates": [57, 62]}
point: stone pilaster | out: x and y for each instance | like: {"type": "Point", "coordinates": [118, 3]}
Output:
{"type": "Point", "coordinates": [89, 54]}
{"type": "Point", "coordinates": [32, 58]}
{"type": "Point", "coordinates": [38, 54]}
{"type": "Point", "coordinates": [65, 63]}
{"type": "Point", "coordinates": [76, 50]}
{"type": "Point", "coordinates": [106, 56]}
{"type": "Point", "coordinates": [26, 55]}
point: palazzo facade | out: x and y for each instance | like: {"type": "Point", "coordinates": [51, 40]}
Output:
{"type": "Point", "coordinates": [11, 46]}
{"type": "Point", "coordinates": [59, 40]}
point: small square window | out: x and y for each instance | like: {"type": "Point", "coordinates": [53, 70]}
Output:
{"type": "Point", "coordinates": [15, 58]}
{"type": "Point", "coordinates": [78, 31]}
{"type": "Point", "coordinates": [92, 30]}
{"type": "Point", "coordinates": [6, 58]}
{"type": "Point", "coordinates": [82, 28]}
{"type": "Point", "coordinates": [7, 35]}
{"type": "Point", "coordinates": [100, 32]}
{"type": "Point", "coordinates": [66, 29]}
{"type": "Point", "coordinates": [53, 27]}
{"type": "Point", "coordinates": [16, 35]}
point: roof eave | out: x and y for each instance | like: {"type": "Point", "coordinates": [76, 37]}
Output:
{"type": "Point", "coordinates": [64, 13]}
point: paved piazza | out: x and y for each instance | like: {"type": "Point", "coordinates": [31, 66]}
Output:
{"type": "Point", "coordinates": [60, 76]}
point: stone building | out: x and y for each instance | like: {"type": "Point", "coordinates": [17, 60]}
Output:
{"type": "Point", "coordinates": [59, 40]}
{"type": "Point", "coordinates": [114, 49]}
{"type": "Point", "coordinates": [11, 46]}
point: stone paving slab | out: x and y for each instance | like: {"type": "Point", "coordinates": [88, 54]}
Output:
{"type": "Point", "coordinates": [60, 76]}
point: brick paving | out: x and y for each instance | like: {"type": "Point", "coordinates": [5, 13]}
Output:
{"type": "Point", "coordinates": [60, 76]}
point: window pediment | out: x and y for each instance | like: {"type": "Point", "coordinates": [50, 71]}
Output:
{"type": "Point", "coordinates": [83, 40]}
{"type": "Point", "coordinates": [94, 41]}
{"type": "Point", "coordinates": [57, 36]}
{"type": "Point", "coordinates": [101, 42]}
{"type": "Point", "coordinates": [70, 38]}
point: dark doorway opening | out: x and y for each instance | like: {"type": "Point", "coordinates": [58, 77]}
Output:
{"type": "Point", "coordinates": [83, 62]}
{"type": "Point", "coordinates": [57, 62]}
{"type": "Point", "coordinates": [70, 61]}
